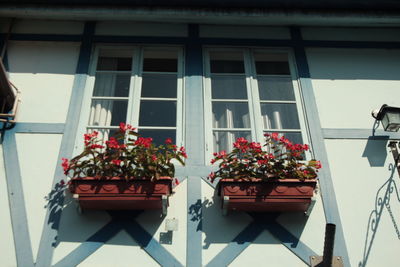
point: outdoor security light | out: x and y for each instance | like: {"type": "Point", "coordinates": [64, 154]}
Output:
{"type": "Point", "coordinates": [389, 116]}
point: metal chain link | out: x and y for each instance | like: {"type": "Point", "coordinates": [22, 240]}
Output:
{"type": "Point", "coordinates": [393, 220]}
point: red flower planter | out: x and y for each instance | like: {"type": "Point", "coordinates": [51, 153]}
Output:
{"type": "Point", "coordinates": [118, 194]}
{"type": "Point", "coordinates": [275, 195]}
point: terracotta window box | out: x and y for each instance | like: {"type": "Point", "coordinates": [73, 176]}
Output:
{"type": "Point", "coordinates": [118, 194]}
{"type": "Point", "coordinates": [275, 195]}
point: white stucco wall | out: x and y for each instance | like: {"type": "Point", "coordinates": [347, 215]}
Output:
{"type": "Point", "coordinates": [7, 247]}
{"type": "Point", "coordinates": [349, 83]}
{"type": "Point", "coordinates": [357, 177]}
{"type": "Point", "coordinates": [44, 73]}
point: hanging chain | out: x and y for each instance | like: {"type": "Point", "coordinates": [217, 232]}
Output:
{"type": "Point", "coordinates": [393, 220]}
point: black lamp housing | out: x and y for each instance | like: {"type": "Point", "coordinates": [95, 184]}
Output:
{"type": "Point", "coordinates": [390, 118]}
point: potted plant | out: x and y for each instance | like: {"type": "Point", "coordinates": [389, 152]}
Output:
{"type": "Point", "coordinates": [125, 172]}
{"type": "Point", "coordinates": [269, 178]}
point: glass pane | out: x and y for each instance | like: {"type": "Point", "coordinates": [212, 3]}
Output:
{"type": "Point", "coordinates": [108, 112]}
{"type": "Point", "coordinates": [159, 136]}
{"type": "Point", "coordinates": [225, 140]}
{"type": "Point", "coordinates": [159, 85]}
{"type": "Point", "coordinates": [228, 87]}
{"type": "Point", "coordinates": [272, 64]}
{"type": "Point", "coordinates": [230, 115]}
{"type": "Point", "coordinates": [226, 62]}
{"type": "Point", "coordinates": [157, 113]}
{"type": "Point", "coordinates": [280, 116]}
{"type": "Point", "coordinates": [108, 84]}
{"type": "Point", "coordinates": [158, 60]}
{"type": "Point", "coordinates": [275, 88]}
{"type": "Point", "coordinates": [114, 63]}
{"type": "Point", "coordinates": [294, 137]}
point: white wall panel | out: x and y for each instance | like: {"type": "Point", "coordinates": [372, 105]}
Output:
{"type": "Point", "coordinates": [44, 73]}
{"type": "Point", "coordinates": [357, 177]}
{"type": "Point", "coordinates": [349, 83]}
{"type": "Point", "coordinates": [155, 225]}
{"type": "Point", "coordinates": [351, 34]}
{"type": "Point", "coordinates": [38, 158]}
{"type": "Point", "coordinates": [76, 228]}
{"type": "Point", "coordinates": [244, 32]}
{"type": "Point", "coordinates": [309, 230]}
{"type": "Point", "coordinates": [121, 251]}
{"type": "Point", "coordinates": [267, 251]}
{"type": "Point", "coordinates": [140, 29]}
{"type": "Point", "coordinates": [218, 230]}
{"type": "Point", "coordinates": [7, 240]}
{"type": "Point", "coordinates": [48, 27]}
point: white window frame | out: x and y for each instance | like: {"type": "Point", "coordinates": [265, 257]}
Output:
{"type": "Point", "coordinates": [134, 96]}
{"type": "Point", "coordinates": [257, 125]}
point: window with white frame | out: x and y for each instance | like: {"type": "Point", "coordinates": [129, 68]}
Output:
{"type": "Point", "coordinates": [249, 92]}
{"type": "Point", "coordinates": [141, 86]}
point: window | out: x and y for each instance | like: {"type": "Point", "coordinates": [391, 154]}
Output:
{"type": "Point", "coordinates": [249, 92]}
{"type": "Point", "coordinates": [141, 86]}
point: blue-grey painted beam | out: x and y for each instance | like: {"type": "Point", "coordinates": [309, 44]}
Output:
{"type": "Point", "coordinates": [238, 245]}
{"type": "Point", "coordinates": [39, 128]}
{"type": "Point", "coordinates": [204, 41]}
{"type": "Point", "coordinates": [45, 37]}
{"type": "Point", "coordinates": [317, 140]}
{"type": "Point", "coordinates": [22, 241]}
{"type": "Point", "coordinates": [90, 246]}
{"type": "Point", "coordinates": [194, 132]}
{"type": "Point", "coordinates": [291, 242]}
{"type": "Point", "coordinates": [53, 215]}
{"type": "Point", "coordinates": [338, 133]}
{"type": "Point", "coordinates": [149, 244]}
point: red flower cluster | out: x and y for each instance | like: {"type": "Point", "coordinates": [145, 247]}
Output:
{"type": "Point", "coordinates": [124, 127]}
{"type": "Point", "coordinates": [144, 142]}
{"type": "Point", "coordinates": [183, 152]}
{"type": "Point", "coordinates": [65, 165]}
{"type": "Point", "coordinates": [281, 159]}
{"type": "Point", "coordinates": [116, 162]}
{"type": "Point", "coordinates": [168, 141]}
{"type": "Point", "coordinates": [89, 138]}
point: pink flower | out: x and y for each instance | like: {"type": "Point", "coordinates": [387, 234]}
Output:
{"type": "Point", "coordinates": [183, 151]}
{"type": "Point", "coordinates": [112, 143]}
{"type": "Point", "coordinates": [241, 144]}
{"type": "Point", "coordinates": [168, 141]}
{"type": "Point", "coordinates": [95, 146]}
{"type": "Point", "coordinates": [318, 164]}
{"type": "Point", "coordinates": [153, 157]}
{"type": "Point", "coordinates": [144, 142]}
{"type": "Point", "coordinates": [211, 176]}
{"type": "Point", "coordinates": [65, 165]}
{"type": "Point", "coordinates": [116, 162]}
{"type": "Point", "coordinates": [176, 181]}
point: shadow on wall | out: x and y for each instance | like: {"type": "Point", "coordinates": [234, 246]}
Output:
{"type": "Point", "coordinates": [376, 149]}
{"type": "Point", "coordinates": [234, 227]}
{"type": "Point", "coordinates": [387, 192]}
{"type": "Point", "coordinates": [96, 225]}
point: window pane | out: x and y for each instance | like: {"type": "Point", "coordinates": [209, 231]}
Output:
{"type": "Point", "coordinates": [158, 60]}
{"type": "Point", "coordinates": [225, 140]}
{"type": "Point", "coordinates": [294, 137]}
{"type": "Point", "coordinates": [157, 113]}
{"type": "Point", "coordinates": [230, 115]}
{"type": "Point", "coordinates": [112, 85]}
{"type": "Point", "coordinates": [226, 62]}
{"type": "Point", "coordinates": [272, 64]}
{"type": "Point", "coordinates": [228, 87]}
{"type": "Point", "coordinates": [108, 112]}
{"type": "Point", "coordinates": [114, 63]}
{"type": "Point", "coordinates": [271, 88]}
{"type": "Point", "coordinates": [159, 136]}
{"type": "Point", "coordinates": [159, 85]}
{"type": "Point", "coordinates": [280, 116]}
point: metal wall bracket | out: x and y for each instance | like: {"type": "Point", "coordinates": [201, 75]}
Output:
{"type": "Point", "coordinates": [225, 205]}
{"type": "Point", "coordinates": [310, 208]}
{"type": "Point", "coordinates": [76, 200]}
{"type": "Point", "coordinates": [164, 203]}
{"type": "Point", "coordinates": [316, 261]}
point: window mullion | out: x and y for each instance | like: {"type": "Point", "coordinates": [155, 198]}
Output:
{"type": "Point", "coordinates": [251, 85]}
{"type": "Point", "coordinates": [135, 87]}
{"type": "Point", "coordinates": [179, 102]}
{"type": "Point", "coordinates": [208, 107]}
